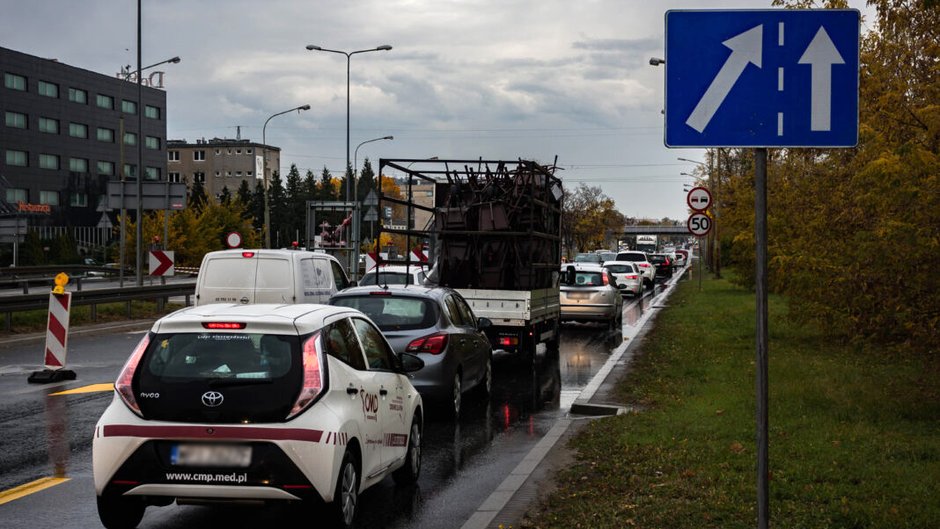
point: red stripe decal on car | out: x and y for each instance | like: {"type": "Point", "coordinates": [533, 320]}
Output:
{"type": "Point", "coordinates": [213, 432]}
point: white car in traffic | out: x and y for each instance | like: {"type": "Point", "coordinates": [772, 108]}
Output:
{"type": "Point", "coordinates": [257, 403]}
{"type": "Point", "coordinates": [627, 276]}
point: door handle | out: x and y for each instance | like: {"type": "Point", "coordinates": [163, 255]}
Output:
{"type": "Point", "coordinates": [352, 391]}
{"type": "Point", "coordinates": [383, 392]}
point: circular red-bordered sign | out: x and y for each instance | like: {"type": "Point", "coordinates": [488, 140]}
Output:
{"type": "Point", "coordinates": [699, 224]}
{"type": "Point", "coordinates": [233, 240]}
{"type": "Point", "coordinates": [698, 199]}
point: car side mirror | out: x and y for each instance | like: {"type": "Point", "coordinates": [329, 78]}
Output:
{"type": "Point", "coordinates": [410, 363]}
{"type": "Point", "coordinates": [483, 323]}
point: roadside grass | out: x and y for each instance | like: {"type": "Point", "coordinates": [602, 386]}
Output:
{"type": "Point", "coordinates": [36, 320]}
{"type": "Point", "coordinates": [854, 432]}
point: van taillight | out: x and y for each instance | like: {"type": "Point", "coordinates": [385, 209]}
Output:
{"type": "Point", "coordinates": [508, 340]}
{"type": "Point", "coordinates": [223, 325]}
{"type": "Point", "coordinates": [126, 378]}
{"type": "Point", "coordinates": [248, 254]}
{"type": "Point", "coordinates": [432, 343]}
{"type": "Point", "coordinates": [313, 376]}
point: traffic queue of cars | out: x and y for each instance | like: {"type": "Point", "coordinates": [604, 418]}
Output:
{"type": "Point", "coordinates": [288, 383]}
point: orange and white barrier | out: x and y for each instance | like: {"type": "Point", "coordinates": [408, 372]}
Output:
{"type": "Point", "coordinates": [57, 335]}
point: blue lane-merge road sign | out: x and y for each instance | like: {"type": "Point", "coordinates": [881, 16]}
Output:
{"type": "Point", "coordinates": [762, 78]}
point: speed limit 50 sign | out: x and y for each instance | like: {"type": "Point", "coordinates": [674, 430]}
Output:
{"type": "Point", "coordinates": [699, 224]}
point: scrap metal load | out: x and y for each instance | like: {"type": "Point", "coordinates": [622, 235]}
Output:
{"type": "Point", "coordinates": [499, 228]}
{"type": "Point", "coordinates": [494, 224]}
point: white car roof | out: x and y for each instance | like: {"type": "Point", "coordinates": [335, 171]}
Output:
{"type": "Point", "coordinates": [632, 263]}
{"type": "Point", "coordinates": [583, 267]}
{"type": "Point", "coordinates": [300, 318]}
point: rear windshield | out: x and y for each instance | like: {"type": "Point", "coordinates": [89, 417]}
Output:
{"type": "Point", "coordinates": [387, 278]}
{"type": "Point", "coordinates": [587, 279]}
{"type": "Point", "coordinates": [212, 355]}
{"type": "Point", "coordinates": [658, 259]}
{"type": "Point", "coordinates": [620, 269]}
{"type": "Point", "coordinates": [393, 313]}
{"type": "Point", "coordinates": [630, 257]}
{"type": "Point", "coordinates": [587, 258]}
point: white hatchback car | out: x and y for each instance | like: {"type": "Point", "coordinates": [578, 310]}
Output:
{"type": "Point", "coordinates": [298, 403]}
{"type": "Point", "coordinates": [627, 275]}
{"type": "Point", "coordinates": [642, 261]}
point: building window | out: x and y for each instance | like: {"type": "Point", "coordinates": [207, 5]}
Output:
{"type": "Point", "coordinates": [152, 112]}
{"type": "Point", "coordinates": [106, 135]}
{"type": "Point", "coordinates": [15, 195]}
{"type": "Point", "coordinates": [14, 82]}
{"type": "Point", "coordinates": [152, 173]}
{"type": "Point", "coordinates": [78, 200]}
{"type": "Point", "coordinates": [78, 130]}
{"type": "Point", "coordinates": [105, 101]}
{"type": "Point", "coordinates": [199, 177]}
{"type": "Point", "coordinates": [173, 156]}
{"type": "Point", "coordinates": [199, 156]}
{"type": "Point", "coordinates": [218, 174]}
{"type": "Point", "coordinates": [105, 168]}
{"type": "Point", "coordinates": [173, 178]}
{"type": "Point", "coordinates": [238, 174]}
{"type": "Point", "coordinates": [77, 95]}
{"type": "Point", "coordinates": [17, 158]}
{"type": "Point", "coordinates": [218, 152]}
{"type": "Point", "coordinates": [238, 151]}
{"type": "Point", "coordinates": [16, 120]}
{"type": "Point", "coordinates": [248, 150]}
{"type": "Point", "coordinates": [130, 138]}
{"type": "Point", "coordinates": [228, 174]}
{"type": "Point", "coordinates": [128, 107]}
{"type": "Point", "coordinates": [130, 171]}
{"type": "Point", "coordinates": [152, 142]}
{"type": "Point", "coordinates": [49, 197]}
{"type": "Point", "coordinates": [78, 165]}
{"type": "Point", "coordinates": [249, 174]}
{"type": "Point", "coordinates": [48, 89]}
{"type": "Point", "coordinates": [49, 125]}
{"type": "Point", "coordinates": [48, 161]}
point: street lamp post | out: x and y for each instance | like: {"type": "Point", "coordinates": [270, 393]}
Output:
{"type": "Point", "coordinates": [349, 54]}
{"type": "Point", "coordinates": [356, 242]}
{"type": "Point", "coordinates": [264, 170]}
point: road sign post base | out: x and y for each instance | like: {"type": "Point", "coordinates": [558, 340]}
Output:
{"type": "Point", "coordinates": [48, 376]}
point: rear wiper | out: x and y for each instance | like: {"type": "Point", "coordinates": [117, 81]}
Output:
{"type": "Point", "coordinates": [225, 382]}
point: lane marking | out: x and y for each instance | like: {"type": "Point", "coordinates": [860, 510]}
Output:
{"type": "Point", "coordinates": [25, 490]}
{"type": "Point", "coordinates": [93, 388]}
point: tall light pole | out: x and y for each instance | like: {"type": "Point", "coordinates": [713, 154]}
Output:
{"type": "Point", "coordinates": [356, 242]}
{"type": "Point", "coordinates": [349, 54]}
{"type": "Point", "coordinates": [264, 170]}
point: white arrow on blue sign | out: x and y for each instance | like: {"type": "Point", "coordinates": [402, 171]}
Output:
{"type": "Point", "coordinates": [762, 78]}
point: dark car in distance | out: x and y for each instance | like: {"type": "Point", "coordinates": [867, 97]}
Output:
{"type": "Point", "coordinates": [663, 263]}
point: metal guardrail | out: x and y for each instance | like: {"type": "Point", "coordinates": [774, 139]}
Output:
{"type": "Point", "coordinates": [11, 304]}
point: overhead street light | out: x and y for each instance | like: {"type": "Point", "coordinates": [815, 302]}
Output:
{"type": "Point", "coordinates": [141, 172]}
{"type": "Point", "coordinates": [656, 61]}
{"type": "Point", "coordinates": [264, 170]}
{"type": "Point", "coordinates": [356, 242]}
{"type": "Point", "coordinates": [349, 54]}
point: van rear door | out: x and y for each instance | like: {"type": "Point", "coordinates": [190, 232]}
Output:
{"type": "Point", "coordinates": [274, 281]}
{"type": "Point", "coordinates": [228, 278]}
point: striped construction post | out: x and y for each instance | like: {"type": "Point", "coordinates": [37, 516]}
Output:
{"type": "Point", "coordinates": [57, 330]}
{"type": "Point", "coordinates": [57, 336]}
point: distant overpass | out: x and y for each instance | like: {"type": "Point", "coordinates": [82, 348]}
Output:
{"type": "Point", "coordinates": [656, 229]}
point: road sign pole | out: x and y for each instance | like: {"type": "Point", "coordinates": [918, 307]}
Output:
{"type": "Point", "coordinates": [760, 235]}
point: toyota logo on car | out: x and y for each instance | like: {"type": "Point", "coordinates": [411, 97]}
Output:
{"type": "Point", "coordinates": [212, 398]}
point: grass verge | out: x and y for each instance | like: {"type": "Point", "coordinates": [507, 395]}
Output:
{"type": "Point", "coordinates": [854, 433]}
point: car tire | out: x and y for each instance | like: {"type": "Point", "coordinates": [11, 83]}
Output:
{"type": "Point", "coordinates": [118, 512]}
{"type": "Point", "coordinates": [346, 495]}
{"type": "Point", "coordinates": [408, 474]}
{"type": "Point", "coordinates": [456, 396]}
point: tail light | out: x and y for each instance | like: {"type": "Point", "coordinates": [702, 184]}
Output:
{"type": "Point", "coordinates": [432, 343]}
{"type": "Point", "coordinates": [313, 375]}
{"type": "Point", "coordinates": [248, 255]}
{"type": "Point", "coordinates": [645, 265]}
{"type": "Point", "coordinates": [632, 277]}
{"type": "Point", "coordinates": [508, 340]}
{"type": "Point", "coordinates": [226, 325]}
{"type": "Point", "coordinates": [606, 281]}
{"type": "Point", "coordinates": [125, 379]}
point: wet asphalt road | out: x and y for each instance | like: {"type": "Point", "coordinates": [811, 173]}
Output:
{"type": "Point", "coordinates": [463, 461]}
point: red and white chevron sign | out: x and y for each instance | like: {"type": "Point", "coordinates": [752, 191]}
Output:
{"type": "Point", "coordinates": [161, 263]}
{"type": "Point", "coordinates": [57, 330]}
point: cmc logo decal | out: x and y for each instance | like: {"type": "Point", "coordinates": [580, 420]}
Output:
{"type": "Point", "coordinates": [212, 398]}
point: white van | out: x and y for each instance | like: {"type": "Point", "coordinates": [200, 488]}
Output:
{"type": "Point", "coordinates": [268, 276]}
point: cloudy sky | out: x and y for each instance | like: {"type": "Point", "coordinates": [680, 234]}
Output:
{"type": "Point", "coordinates": [499, 79]}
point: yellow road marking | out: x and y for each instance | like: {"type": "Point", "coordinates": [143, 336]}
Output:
{"type": "Point", "coordinates": [86, 389]}
{"type": "Point", "coordinates": [25, 490]}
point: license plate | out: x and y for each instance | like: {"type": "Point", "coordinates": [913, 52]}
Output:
{"type": "Point", "coordinates": [578, 295]}
{"type": "Point", "coordinates": [210, 455]}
